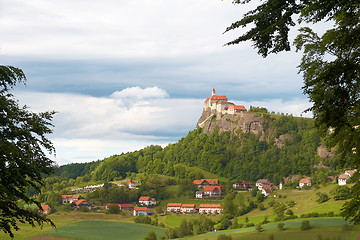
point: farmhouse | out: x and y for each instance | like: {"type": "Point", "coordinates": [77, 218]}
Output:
{"type": "Point", "coordinates": [147, 201]}
{"type": "Point", "coordinates": [206, 182]}
{"type": "Point", "coordinates": [304, 181]}
{"type": "Point", "coordinates": [212, 191]}
{"type": "Point", "coordinates": [131, 184]}
{"type": "Point", "coordinates": [187, 208]}
{"type": "Point", "coordinates": [242, 185]}
{"type": "Point", "coordinates": [45, 209]}
{"type": "Point", "coordinates": [140, 211]}
{"type": "Point", "coordinates": [266, 190]}
{"type": "Point", "coordinates": [80, 203]}
{"type": "Point", "coordinates": [220, 104]}
{"type": "Point", "coordinates": [342, 179]}
{"type": "Point", "coordinates": [173, 207]}
{"type": "Point", "coordinates": [260, 182]}
{"type": "Point", "coordinates": [69, 198]}
{"type": "Point", "coordinates": [210, 209]}
{"type": "Point", "coordinates": [198, 194]}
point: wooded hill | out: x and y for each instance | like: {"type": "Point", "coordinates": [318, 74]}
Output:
{"type": "Point", "coordinates": [283, 146]}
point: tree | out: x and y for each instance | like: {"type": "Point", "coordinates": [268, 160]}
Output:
{"type": "Point", "coordinates": [23, 160]}
{"type": "Point", "coordinates": [330, 66]}
{"type": "Point", "coordinates": [305, 225]}
{"type": "Point", "coordinates": [151, 236]}
{"type": "Point", "coordinates": [341, 192]}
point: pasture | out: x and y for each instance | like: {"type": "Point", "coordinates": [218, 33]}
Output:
{"type": "Point", "coordinates": [99, 230]}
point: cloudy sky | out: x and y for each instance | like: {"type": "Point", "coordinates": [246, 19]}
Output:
{"type": "Point", "coordinates": [123, 75]}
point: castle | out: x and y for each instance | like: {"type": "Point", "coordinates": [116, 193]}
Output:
{"type": "Point", "coordinates": [220, 104]}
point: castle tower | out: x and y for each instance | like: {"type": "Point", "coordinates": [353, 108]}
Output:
{"type": "Point", "coordinates": [213, 92]}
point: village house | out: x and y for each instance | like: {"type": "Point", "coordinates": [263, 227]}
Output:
{"type": "Point", "coordinates": [124, 206]}
{"type": "Point", "coordinates": [87, 189]}
{"type": "Point", "coordinates": [220, 104]}
{"type": "Point", "coordinates": [210, 209]}
{"type": "Point", "coordinates": [350, 172]}
{"type": "Point", "coordinates": [140, 211]}
{"type": "Point", "coordinates": [205, 182]}
{"type": "Point", "coordinates": [69, 198]}
{"type": "Point", "coordinates": [45, 210]}
{"type": "Point", "coordinates": [304, 182]}
{"type": "Point", "coordinates": [187, 208]}
{"type": "Point", "coordinates": [147, 201]}
{"type": "Point", "coordinates": [212, 191]}
{"type": "Point", "coordinates": [242, 185]}
{"type": "Point", "coordinates": [80, 203]}
{"type": "Point", "coordinates": [131, 184]}
{"type": "Point", "coordinates": [342, 179]}
{"type": "Point", "coordinates": [260, 182]}
{"type": "Point", "coordinates": [173, 207]}
{"type": "Point", "coordinates": [266, 190]}
{"type": "Point", "coordinates": [198, 194]}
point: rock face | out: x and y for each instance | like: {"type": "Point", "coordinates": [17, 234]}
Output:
{"type": "Point", "coordinates": [244, 121]}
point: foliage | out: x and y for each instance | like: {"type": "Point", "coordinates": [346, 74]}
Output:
{"type": "Point", "coordinates": [23, 160]}
{"type": "Point", "coordinates": [114, 209]}
{"type": "Point", "coordinates": [330, 64]}
{"type": "Point", "coordinates": [151, 236]}
{"type": "Point", "coordinates": [259, 228]}
{"type": "Point", "coordinates": [279, 210]}
{"type": "Point", "coordinates": [281, 226]}
{"type": "Point", "coordinates": [305, 225]}
{"type": "Point", "coordinates": [340, 192]}
{"type": "Point", "coordinates": [111, 193]}
{"type": "Point", "coordinates": [191, 227]}
{"type": "Point", "coordinates": [322, 197]}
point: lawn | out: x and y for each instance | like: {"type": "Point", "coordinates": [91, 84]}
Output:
{"type": "Point", "coordinates": [320, 226]}
{"type": "Point", "coordinates": [99, 230]}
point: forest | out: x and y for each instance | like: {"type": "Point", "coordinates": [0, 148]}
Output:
{"type": "Point", "coordinates": [235, 156]}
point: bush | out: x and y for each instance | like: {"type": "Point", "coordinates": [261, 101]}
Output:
{"type": "Point", "coordinates": [114, 209]}
{"type": "Point", "coordinates": [305, 225]}
{"type": "Point", "coordinates": [291, 203]}
{"type": "Point", "coordinates": [323, 197]}
{"type": "Point", "coordinates": [340, 192]}
{"type": "Point", "coordinates": [259, 228]}
{"type": "Point", "coordinates": [150, 236]}
{"type": "Point", "coordinates": [281, 226]}
{"type": "Point", "coordinates": [250, 225]}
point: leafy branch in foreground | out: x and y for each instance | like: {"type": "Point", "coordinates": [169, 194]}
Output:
{"type": "Point", "coordinates": [22, 158]}
{"type": "Point", "coordinates": [330, 66]}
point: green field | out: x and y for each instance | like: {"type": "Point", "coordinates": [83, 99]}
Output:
{"type": "Point", "coordinates": [99, 230]}
{"type": "Point", "coordinates": [320, 226]}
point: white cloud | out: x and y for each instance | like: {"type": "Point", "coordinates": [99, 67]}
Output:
{"type": "Point", "coordinates": [114, 29]}
{"type": "Point", "coordinates": [89, 128]}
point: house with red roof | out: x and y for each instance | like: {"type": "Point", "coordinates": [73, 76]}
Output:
{"type": "Point", "coordinates": [80, 203]}
{"type": "Point", "coordinates": [266, 190]}
{"type": "Point", "coordinates": [131, 184]}
{"type": "Point", "coordinates": [210, 209]}
{"type": "Point", "coordinates": [243, 185]}
{"type": "Point", "coordinates": [173, 207]}
{"type": "Point", "coordinates": [212, 191]}
{"type": "Point", "coordinates": [304, 182]}
{"type": "Point", "coordinates": [342, 179]}
{"type": "Point", "coordinates": [69, 198]}
{"type": "Point", "coordinates": [147, 201]}
{"type": "Point", "coordinates": [45, 209]}
{"type": "Point", "coordinates": [187, 208]}
{"type": "Point", "coordinates": [140, 211]}
{"type": "Point", "coordinates": [206, 181]}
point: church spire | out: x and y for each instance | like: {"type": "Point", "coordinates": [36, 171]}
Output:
{"type": "Point", "coordinates": [213, 92]}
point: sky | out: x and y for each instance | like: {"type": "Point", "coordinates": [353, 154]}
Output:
{"type": "Point", "coordinates": [123, 75]}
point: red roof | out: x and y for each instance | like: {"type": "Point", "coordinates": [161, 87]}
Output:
{"type": "Point", "coordinates": [211, 188]}
{"type": "Point", "coordinates": [344, 177]}
{"type": "Point", "coordinates": [126, 205]}
{"type": "Point", "coordinates": [144, 198]}
{"type": "Point", "coordinates": [188, 205]}
{"type": "Point", "coordinates": [237, 107]}
{"type": "Point", "coordinates": [45, 207]}
{"type": "Point", "coordinates": [215, 97]}
{"type": "Point", "coordinates": [80, 201]}
{"type": "Point", "coordinates": [140, 208]}
{"type": "Point", "coordinates": [304, 180]}
{"type": "Point", "coordinates": [210, 206]}
{"type": "Point", "coordinates": [174, 205]}
{"type": "Point", "coordinates": [70, 196]}
{"type": "Point", "coordinates": [197, 182]}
